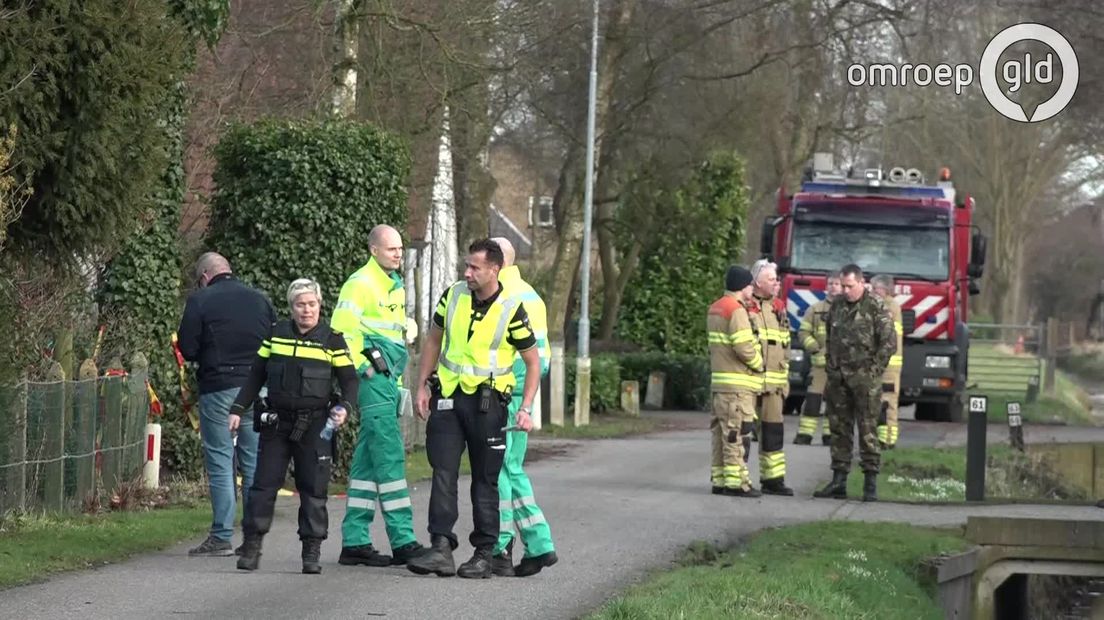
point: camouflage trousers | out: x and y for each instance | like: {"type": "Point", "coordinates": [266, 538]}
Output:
{"type": "Point", "coordinates": [854, 400]}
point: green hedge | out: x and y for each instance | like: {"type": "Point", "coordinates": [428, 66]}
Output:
{"type": "Point", "coordinates": [687, 377]}
{"type": "Point", "coordinates": [605, 383]}
{"type": "Point", "coordinates": [297, 199]}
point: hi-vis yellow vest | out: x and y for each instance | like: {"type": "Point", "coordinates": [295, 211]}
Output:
{"type": "Point", "coordinates": [487, 355]}
{"type": "Point", "coordinates": [898, 359]}
{"type": "Point", "coordinates": [372, 304]}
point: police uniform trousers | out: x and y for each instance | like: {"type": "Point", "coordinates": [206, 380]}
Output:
{"type": "Point", "coordinates": [313, 457]}
{"type": "Point", "coordinates": [887, 421]}
{"type": "Point", "coordinates": [853, 400]}
{"type": "Point", "coordinates": [730, 411]}
{"type": "Point", "coordinates": [811, 415]}
{"type": "Point", "coordinates": [455, 424]}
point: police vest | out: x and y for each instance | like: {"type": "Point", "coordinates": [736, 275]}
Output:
{"type": "Point", "coordinates": [487, 355]}
{"type": "Point", "coordinates": [300, 367]}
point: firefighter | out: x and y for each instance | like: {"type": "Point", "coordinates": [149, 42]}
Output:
{"type": "Point", "coordinates": [517, 505]}
{"type": "Point", "coordinates": [857, 349]}
{"type": "Point", "coordinates": [774, 338]}
{"type": "Point", "coordinates": [882, 285]}
{"type": "Point", "coordinates": [371, 312]}
{"type": "Point", "coordinates": [812, 334]}
{"type": "Point", "coordinates": [298, 365]}
{"type": "Point", "coordinates": [736, 361]}
{"type": "Point", "coordinates": [477, 330]}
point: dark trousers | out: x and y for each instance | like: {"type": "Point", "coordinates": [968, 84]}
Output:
{"type": "Point", "coordinates": [448, 432]}
{"type": "Point", "coordinates": [313, 458]}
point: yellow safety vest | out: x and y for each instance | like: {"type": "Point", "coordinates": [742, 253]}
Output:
{"type": "Point", "coordinates": [371, 303]}
{"type": "Point", "coordinates": [487, 354]}
{"type": "Point", "coordinates": [898, 359]}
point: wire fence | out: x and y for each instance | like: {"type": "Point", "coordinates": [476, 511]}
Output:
{"type": "Point", "coordinates": [65, 441]}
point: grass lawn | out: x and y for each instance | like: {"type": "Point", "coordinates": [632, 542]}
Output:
{"type": "Point", "coordinates": [1069, 404]}
{"type": "Point", "coordinates": [830, 569]}
{"type": "Point", "coordinates": [602, 426]}
{"type": "Point", "coordinates": [33, 547]}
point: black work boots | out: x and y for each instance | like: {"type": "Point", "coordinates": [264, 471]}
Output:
{"type": "Point", "coordinates": [776, 486]}
{"type": "Point", "coordinates": [502, 565]}
{"type": "Point", "coordinates": [870, 487]}
{"type": "Point", "coordinates": [366, 555]}
{"type": "Point", "coordinates": [312, 554]}
{"type": "Point", "coordinates": [478, 567]}
{"type": "Point", "coordinates": [803, 440]}
{"type": "Point", "coordinates": [837, 488]}
{"type": "Point", "coordinates": [437, 560]}
{"type": "Point", "coordinates": [250, 557]}
{"type": "Point", "coordinates": [402, 555]}
{"type": "Point", "coordinates": [531, 566]}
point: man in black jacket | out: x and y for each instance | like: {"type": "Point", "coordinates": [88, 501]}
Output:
{"type": "Point", "coordinates": [223, 326]}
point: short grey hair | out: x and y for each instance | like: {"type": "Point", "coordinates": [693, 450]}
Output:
{"type": "Point", "coordinates": [301, 286]}
{"type": "Point", "coordinates": [882, 280]}
{"type": "Point", "coordinates": [760, 266]}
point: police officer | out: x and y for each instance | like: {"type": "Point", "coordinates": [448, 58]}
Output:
{"type": "Point", "coordinates": [859, 343]}
{"type": "Point", "coordinates": [736, 362]}
{"type": "Point", "coordinates": [476, 332]}
{"type": "Point", "coordinates": [812, 334]}
{"type": "Point", "coordinates": [371, 313]}
{"type": "Point", "coordinates": [882, 286]}
{"type": "Point", "coordinates": [298, 365]}
{"type": "Point", "coordinates": [517, 504]}
{"type": "Point", "coordinates": [774, 338]}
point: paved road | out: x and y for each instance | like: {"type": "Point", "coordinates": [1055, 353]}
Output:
{"type": "Point", "coordinates": [618, 508]}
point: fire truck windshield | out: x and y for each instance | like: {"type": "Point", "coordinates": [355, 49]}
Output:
{"type": "Point", "coordinates": [918, 252]}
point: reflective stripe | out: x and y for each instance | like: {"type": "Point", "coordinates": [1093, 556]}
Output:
{"type": "Point", "coordinates": [505, 504]}
{"type": "Point", "coordinates": [896, 361]}
{"type": "Point", "coordinates": [736, 379]}
{"type": "Point", "coordinates": [363, 485]}
{"type": "Point", "coordinates": [395, 504]}
{"type": "Point", "coordinates": [361, 503]}
{"type": "Point", "coordinates": [807, 425]}
{"type": "Point", "coordinates": [384, 325]}
{"type": "Point", "coordinates": [528, 500]}
{"type": "Point", "coordinates": [391, 487]}
{"type": "Point", "coordinates": [301, 352]}
{"type": "Point", "coordinates": [530, 521]}
{"type": "Point", "coordinates": [496, 343]}
{"type": "Point", "coordinates": [350, 306]}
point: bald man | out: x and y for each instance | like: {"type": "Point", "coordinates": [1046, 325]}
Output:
{"type": "Point", "coordinates": [222, 328]}
{"type": "Point", "coordinates": [371, 315]}
{"type": "Point", "coordinates": [517, 505]}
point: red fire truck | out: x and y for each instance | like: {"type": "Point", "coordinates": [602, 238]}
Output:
{"type": "Point", "coordinates": [893, 224]}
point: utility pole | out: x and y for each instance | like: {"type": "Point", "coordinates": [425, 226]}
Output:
{"type": "Point", "coordinates": [582, 370]}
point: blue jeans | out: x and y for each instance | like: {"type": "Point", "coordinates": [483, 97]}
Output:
{"type": "Point", "coordinates": [218, 452]}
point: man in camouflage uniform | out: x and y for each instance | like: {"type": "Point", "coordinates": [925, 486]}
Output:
{"type": "Point", "coordinates": [859, 344]}
{"type": "Point", "coordinates": [882, 286]}
{"type": "Point", "coordinates": [736, 364]}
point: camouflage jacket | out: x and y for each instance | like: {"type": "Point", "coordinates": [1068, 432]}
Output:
{"type": "Point", "coordinates": [861, 337]}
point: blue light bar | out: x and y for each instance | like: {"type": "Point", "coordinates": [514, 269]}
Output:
{"type": "Point", "coordinates": [883, 188]}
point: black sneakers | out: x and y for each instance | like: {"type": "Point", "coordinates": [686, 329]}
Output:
{"type": "Point", "coordinates": [213, 547]}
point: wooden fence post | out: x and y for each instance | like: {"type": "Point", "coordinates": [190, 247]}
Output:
{"type": "Point", "coordinates": [53, 421]}
{"type": "Point", "coordinates": [84, 442]}
{"type": "Point", "coordinates": [1051, 354]}
{"type": "Point", "coordinates": [13, 496]}
{"type": "Point", "coordinates": [137, 414]}
{"type": "Point", "coordinates": [113, 426]}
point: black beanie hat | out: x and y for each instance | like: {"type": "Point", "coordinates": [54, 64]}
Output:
{"type": "Point", "coordinates": [737, 278]}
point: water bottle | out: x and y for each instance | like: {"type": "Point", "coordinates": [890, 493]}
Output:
{"type": "Point", "coordinates": [328, 431]}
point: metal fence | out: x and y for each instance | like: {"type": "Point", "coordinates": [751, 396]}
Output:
{"type": "Point", "coordinates": [64, 441]}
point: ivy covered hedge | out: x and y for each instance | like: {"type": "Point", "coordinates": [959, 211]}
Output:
{"type": "Point", "coordinates": [298, 199]}
{"type": "Point", "coordinates": [665, 303]}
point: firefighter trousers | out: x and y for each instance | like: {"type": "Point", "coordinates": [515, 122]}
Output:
{"type": "Point", "coordinates": [451, 428]}
{"type": "Point", "coordinates": [378, 470]}
{"type": "Point", "coordinates": [313, 457]}
{"type": "Point", "coordinates": [730, 411]}
{"type": "Point", "coordinates": [811, 415]}
{"type": "Point", "coordinates": [516, 503]}
{"type": "Point", "coordinates": [772, 460]}
{"type": "Point", "coordinates": [887, 419]}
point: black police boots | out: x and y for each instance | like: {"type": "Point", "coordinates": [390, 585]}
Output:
{"type": "Point", "coordinates": [478, 567]}
{"type": "Point", "coordinates": [405, 553]}
{"type": "Point", "coordinates": [776, 486]}
{"type": "Point", "coordinates": [531, 566]}
{"type": "Point", "coordinates": [502, 565]}
{"type": "Point", "coordinates": [837, 488]}
{"type": "Point", "coordinates": [363, 554]}
{"type": "Point", "coordinates": [437, 560]}
{"type": "Point", "coordinates": [312, 553]}
{"type": "Point", "coordinates": [250, 557]}
{"type": "Point", "coordinates": [870, 487]}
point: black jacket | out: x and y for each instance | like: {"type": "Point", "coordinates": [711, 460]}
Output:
{"type": "Point", "coordinates": [222, 329]}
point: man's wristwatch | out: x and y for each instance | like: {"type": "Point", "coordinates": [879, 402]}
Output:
{"type": "Point", "coordinates": [525, 410]}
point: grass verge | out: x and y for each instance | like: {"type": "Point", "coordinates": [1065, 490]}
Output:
{"type": "Point", "coordinates": [32, 548]}
{"type": "Point", "coordinates": [1068, 404]}
{"type": "Point", "coordinates": [924, 474]}
{"type": "Point", "coordinates": [830, 569]}
{"type": "Point", "coordinates": [605, 426]}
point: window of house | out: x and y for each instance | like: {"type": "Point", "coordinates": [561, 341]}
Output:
{"type": "Point", "coordinates": [542, 212]}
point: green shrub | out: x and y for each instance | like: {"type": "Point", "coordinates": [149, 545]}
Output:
{"type": "Point", "coordinates": [605, 383]}
{"type": "Point", "coordinates": [297, 199]}
{"type": "Point", "coordinates": [686, 385]}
